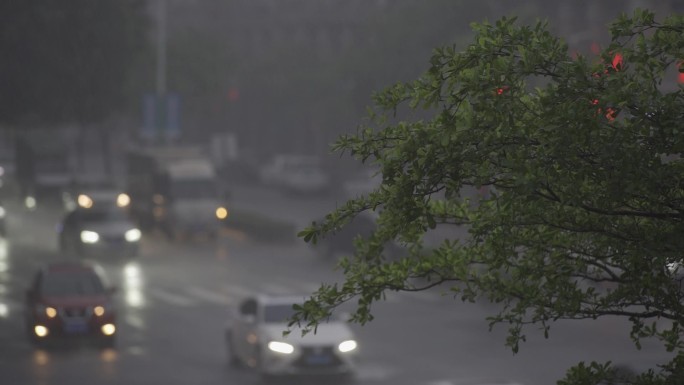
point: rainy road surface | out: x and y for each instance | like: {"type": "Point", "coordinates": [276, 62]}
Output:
{"type": "Point", "coordinates": [173, 303]}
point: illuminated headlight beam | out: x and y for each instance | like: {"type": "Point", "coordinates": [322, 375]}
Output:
{"type": "Point", "coordinates": [347, 346]}
{"type": "Point", "coordinates": [88, 236]}
{"type": "Point", "coordinates": [280, 347]}
{"type": "Point", "coordinates": [123, 200]}
{"type": "Point", "coordinates": [221, 213]}
{"type": "Point", "coordinates": [108, 329]}
{"type": "Point", "coordinates": [40, 331]}
{"type": "Point", "coordinates": [133, 235]}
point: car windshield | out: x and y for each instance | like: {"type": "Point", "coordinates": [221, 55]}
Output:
{"type": "Point", "coordinates": [194, 188]}
{"type": "Point", "coordinates": [112, 214]}
{"type": "Point", "coordinates": [71, 283]}
{"type": "Point", "coordinates": [277, 313]}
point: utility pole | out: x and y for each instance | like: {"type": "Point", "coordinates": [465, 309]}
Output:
{"type": "Point", "coordinates": [161, 48]}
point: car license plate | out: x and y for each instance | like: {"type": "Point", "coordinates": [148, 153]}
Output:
{"type": "Point", "coordinates": [75, 327]}
{"type": "Point", "coordinates": [318, 359]}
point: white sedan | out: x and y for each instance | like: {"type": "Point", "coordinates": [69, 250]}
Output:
{"type": "Point", "coordinates": [254, 338]}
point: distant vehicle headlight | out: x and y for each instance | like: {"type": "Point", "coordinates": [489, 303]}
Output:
{"type": "Point", "coordinates": [89, 236]}
{"type": "Point", "coordinates": [99, 310]}
{"type": "Point", "coordinates": [30, 202]}
{"type": "Point", "coordinates": [85, 201]}
{"type": "Point", "coordinates": [123, 200]}
{"type": "Point", "coordinates": [347, 346]}
{"type": "Point", "coordinates": [51, 312]}
{"type": "Point", "coordinates": [133, 235]}
{"type": "Point", "coordinates": [2, 212]}
{"type": "Point", "coordinates": [221, 213]}
{"type": "Point", "coordinates": [280, 347]}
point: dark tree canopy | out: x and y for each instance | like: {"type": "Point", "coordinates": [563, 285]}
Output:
{"type": "Point", "coordinates": [67, 61]}
{"type": "Point", "coordinates": [582, 160]}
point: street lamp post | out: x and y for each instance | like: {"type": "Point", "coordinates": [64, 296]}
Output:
{"type": "Point", "coordinates": [161, 48]}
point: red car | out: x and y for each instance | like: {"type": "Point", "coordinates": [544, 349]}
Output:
{"type": "Point", "coordinates": [69, 300]}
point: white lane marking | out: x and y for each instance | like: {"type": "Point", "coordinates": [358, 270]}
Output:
{"type": "Point", "coordinates": [170, 298]}
{"type": "Point", "coordinates": [210, 296]}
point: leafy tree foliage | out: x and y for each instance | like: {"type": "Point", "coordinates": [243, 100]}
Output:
{"type": "Point", "coordinates": [581, 158]}
{"type": "Point", "coordinates": [67, 61]}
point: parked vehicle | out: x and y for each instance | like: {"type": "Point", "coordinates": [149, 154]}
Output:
{"type": "Point", "coordinates": [70, 300]}
{"type": "Point", "coordinates": [46, 161]}
{"type": "Point", "coordinates": [254, 338]}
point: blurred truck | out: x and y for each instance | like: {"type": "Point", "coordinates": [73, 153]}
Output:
{"type": "Point", "coordinates": [175, 189]}
{"type": "Point", "coordinates": [45, 161]}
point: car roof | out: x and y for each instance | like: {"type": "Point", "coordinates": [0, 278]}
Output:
{"type": "Point", "coordinates": [278, 299]}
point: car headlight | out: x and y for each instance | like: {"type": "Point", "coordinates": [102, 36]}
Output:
{"type": "Point", "coordinates": [48, 311]}
{"type": "Point", "coordinates": [123, 200]}
{"type": "Point", "coordinates": [133, 235]}
{"type": "Point", "coordinates": [85, 201]}
{"type": "Point", "coordinates": [30, 202]}
{"type": "Point", "coordinates": [41, 331]}
{"type": "Point", "coordinates": [108, 329]}
{"type": "Point", "coordinates": [280, 347]}
{"type": "Point", "coordinates": [221, 213]}
{"type": "Point", "coordinates": [51, 312]}
{"type": "Point", "coordinates": [100, 310]}
{"type": "Point", "coordinates": [347, 346]}
{"type": "Point", "coordinates": [88, 236]}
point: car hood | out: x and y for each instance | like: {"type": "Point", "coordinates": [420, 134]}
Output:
{"type": "Point", "coordinates": [199, 210]}
{"type": "Point", "coordinates": [75, 301]}
{"type": "Point", "coordinates": [330, 333]}
{"type": "Point", "coordinates": [109, 228]}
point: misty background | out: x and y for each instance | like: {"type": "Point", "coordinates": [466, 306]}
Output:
{"type": "Point", "coordinates": [245, 78]}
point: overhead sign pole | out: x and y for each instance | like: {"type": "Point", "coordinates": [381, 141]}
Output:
{"type": "Point", "coordinates": [161, 110]}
